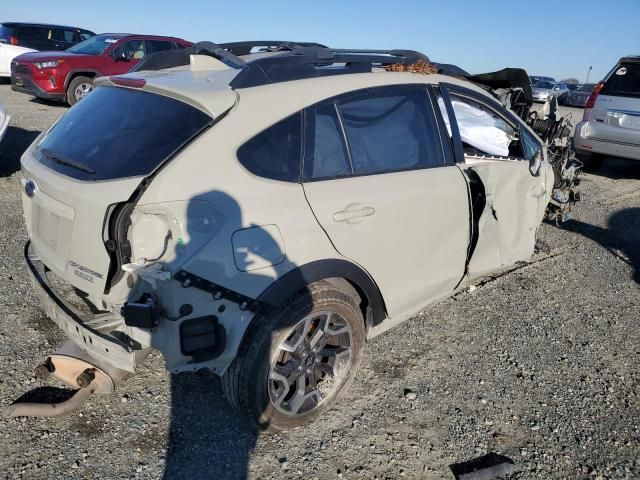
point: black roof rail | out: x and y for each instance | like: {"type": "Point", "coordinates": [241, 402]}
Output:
{"type": "Point", "coordinates": [179, 57]}
{"type": "Point", "coordinates": [245, 47]}
{"type": "Point", "coordinates": [313, 62]}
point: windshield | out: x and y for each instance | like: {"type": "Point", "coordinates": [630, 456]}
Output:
{"type": "Point", "coordinates": [94, 45]}
{"type": "Point", "coordinates": [119, 132]}
{"type": "Point", "coordinates": [587, 87]}
{"type": "Point", "coordinates": [573, 86]}
{"type": "Point", "coordinates": [543, 84]}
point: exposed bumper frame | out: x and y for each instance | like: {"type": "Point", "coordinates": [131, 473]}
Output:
{"type": "Point", "coordinates": [99, 345]}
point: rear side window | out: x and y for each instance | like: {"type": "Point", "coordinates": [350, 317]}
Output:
{"type": "Point", "coordinates": [391, 131]}
{"type": "Point", "coordinates": [624, 81]}
{"type": "Point", "coordinates": [330, 158]}
{"type": "Point", "coordinates": [154, 46]}
{"type": "Point", "coordinates": [28, 32]}
{"type": "Point", "coordinates": [118, 133]}
{"type": "Point", "coordinates": [275, 153]}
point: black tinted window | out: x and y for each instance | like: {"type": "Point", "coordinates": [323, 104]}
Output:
{"type": "Point", "coordinates": [624, 81]}
{"type": "Point", "coordinates": [34, 33]}
{"type": "Point", "coordinates": [329, 157]}
{"type": "Point", "coordinates": [154, 46]}
{"type": "Point", "coordinates": [64, 35]}
{"type": "Point", "coordinates": [391, 131]}
{"type": "Point", "coordinates": [117, 133]}
{"type": "Point", "coordinates": [275, 153]}
{"type": "Point", "coordinates": [7, 31]}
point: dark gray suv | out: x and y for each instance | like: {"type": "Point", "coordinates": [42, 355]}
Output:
{"type": "Point", "coordinates": [42, 36]}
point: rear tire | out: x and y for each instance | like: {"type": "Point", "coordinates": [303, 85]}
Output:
{"type": "Point", "coordinates": [79, 88]}
{"type": "Point", "coordinates": [295, 363]}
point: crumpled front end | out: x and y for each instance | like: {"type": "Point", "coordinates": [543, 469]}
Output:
{"type": "Point", "coordinates": [555, 131]}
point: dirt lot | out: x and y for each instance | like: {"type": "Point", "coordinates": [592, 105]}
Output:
{"type": "Point", "coordinates": [540, 365]}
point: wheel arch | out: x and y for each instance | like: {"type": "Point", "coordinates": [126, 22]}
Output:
{"type": "Point", "coordinates": [81, 72]}
{"type": "Point", "coordinates": [335, 271]}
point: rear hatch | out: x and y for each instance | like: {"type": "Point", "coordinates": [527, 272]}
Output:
{"type": "Point", "coordinates": [616, 113]}
{"type": "Point", "coordinates": [92, 159]}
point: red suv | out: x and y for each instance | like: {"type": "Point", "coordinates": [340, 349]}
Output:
{"type": "Point", "coordinates": [68, 75]}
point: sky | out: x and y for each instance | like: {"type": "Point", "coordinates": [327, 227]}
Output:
{"type": "Point", "coordinates": [545, 37]}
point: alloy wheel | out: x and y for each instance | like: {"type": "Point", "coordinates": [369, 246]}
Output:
{"type": "Point", "coordinates": [82, 90]}
{"type": "Point", "coordinates": [308, 366]}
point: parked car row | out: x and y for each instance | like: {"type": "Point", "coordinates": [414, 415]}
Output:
{"type": "Point", "coordinates": [570, 94]}
{"type": "Point", "coordinates": [68, 76]}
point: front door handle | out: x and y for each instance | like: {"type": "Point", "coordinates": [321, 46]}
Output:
{"type": "Point", "coordinates": [353, 213]}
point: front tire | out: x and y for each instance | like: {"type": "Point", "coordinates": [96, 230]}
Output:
{"type": "Point", "coordinates": [78, 89]}
{"type": "Point", "coordinates": [295, 363]}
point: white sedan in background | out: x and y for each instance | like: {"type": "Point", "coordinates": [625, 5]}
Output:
{"type": "Point", "coordinates": [7, 54]}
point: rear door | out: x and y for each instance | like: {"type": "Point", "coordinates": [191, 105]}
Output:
{"type": "Point", "coordinates": [511, 183]}
{"type": "Point", "coordinates": [616, 113]}
{"type": "Point", "coordinates": [387, 195]}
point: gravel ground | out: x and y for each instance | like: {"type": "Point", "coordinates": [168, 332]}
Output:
{"type": "Point", "coordinates": [539, 365]}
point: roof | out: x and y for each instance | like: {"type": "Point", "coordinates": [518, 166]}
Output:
{"type": "Point", "coordinates": [44, 25]}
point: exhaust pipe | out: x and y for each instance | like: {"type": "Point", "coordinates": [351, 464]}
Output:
{"type": "Point", "coordinates": [76, 369]}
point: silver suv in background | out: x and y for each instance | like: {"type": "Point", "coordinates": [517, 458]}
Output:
{"type": "Point", "coordinates": [611, 122]}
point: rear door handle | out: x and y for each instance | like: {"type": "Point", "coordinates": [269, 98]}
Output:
{"type": "Point", "coordinates": [353, 213]}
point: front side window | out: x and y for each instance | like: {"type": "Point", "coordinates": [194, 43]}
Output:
{"type": "Point", "coordinates": [275, 153]}
{"type": "Point", "coordinates": [132, 134]}
{"type": "Point", "coordinates": [64, 35]}
{"type": "Point", "coordinates": [482, 130]}
{"type": "Point", "coordinates": [132, 50]}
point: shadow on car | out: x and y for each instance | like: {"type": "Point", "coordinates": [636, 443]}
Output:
{"type": "Point", "coordinates": [620, 237]}
{"type": "Point", "coordinates": [16, 140]}
{"type": "Point", "coordinates": [207, 438]}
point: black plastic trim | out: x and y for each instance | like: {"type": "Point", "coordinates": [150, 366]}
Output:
{"type": "Point", "coordinates": [286, 286]}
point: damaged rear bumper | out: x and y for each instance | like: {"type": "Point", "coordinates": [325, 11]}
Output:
{"type": "Point", "coordinates": [91, 333]}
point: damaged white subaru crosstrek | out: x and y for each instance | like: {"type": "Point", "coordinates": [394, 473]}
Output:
{"type": "Point", "coordinates": [263, 215]}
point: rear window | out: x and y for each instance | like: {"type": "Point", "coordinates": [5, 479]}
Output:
{"type": "Point", "coordinates": [6, 31]}
{"type": "Point", "coordinates": [624, 81]}
{"type": "Point", "coordinates": [118, 132]}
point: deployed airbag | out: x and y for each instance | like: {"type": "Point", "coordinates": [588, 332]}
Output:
{"type": "Point", "coordinates": [479, 128]}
